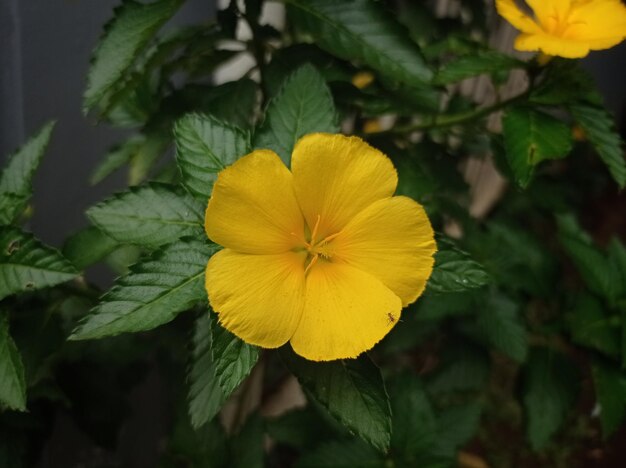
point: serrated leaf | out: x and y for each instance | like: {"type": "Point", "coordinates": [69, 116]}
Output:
{"type": "Point", "coordinates": [610, 386]}
{"type": "Point", "coordinates": [349, 453]}
{"type": "Point", "coordinates": [125, 36]}
{"type": "Point", "coordinates": [151, 215]}
{"type": "Point", "coordinates": [155, 291]}
{"type": "Point", "coordinates": [233, 358]}
{"type": "Point", "coordinates": [590, 262]}
{"type": "Point", "coordinates": [26, 264]}
{"type": "Point", "coordinates": [363, 31]}
{"type": "Point", "coordinates": [591, 326]}
{"type": "Point", "coordinates": [550, 385]}
{"type": "Point", "coordinates": [501, 324]}
{"type": "Point", "coordinates": [205, 146]}
{"type": "Point", "coordinates": [205, 394]}
{"type": "Point", "coordinates": [87, 247]}
{"type": "Point", "coordinates": [16, 178]}
{"type": "Point", "coordinates": [455, 271]}
{"type": "Point", "coordinates": [116, 158]}
{"type": "Point", "coordinates": [531, 136]}
{"type": "Point", "coordinates": [12, 379]}
{"type": "Point", "coordinates": [599, 128]}
{"type": "Point", "coordinates": [473, 65]}
{"type": "Point", "coordinates": [303, 105]}
{"type": "Point", "coordinates": [414, 423]}
{"type": "Point", "coordinates": [352, 391]}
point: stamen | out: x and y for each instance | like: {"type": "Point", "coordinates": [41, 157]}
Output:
{"type": "Point", "coordinates": [311, 263]}
{"type": "Point", "coordinates": [314, 233]}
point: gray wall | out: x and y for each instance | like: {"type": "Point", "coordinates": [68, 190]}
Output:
{"type": "Point", "coordinates": [45, 47]}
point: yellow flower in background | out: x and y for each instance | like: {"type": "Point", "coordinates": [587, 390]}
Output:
{"type": "Point", "coordinates": [323, 256]}
{"type": "Point", "coordinates": [362, 79]}
{"type": "Point", "coordinates": [566, 28]}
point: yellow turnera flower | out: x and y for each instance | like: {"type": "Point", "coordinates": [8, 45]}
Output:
{"type": "Point", "coordinates": [567, 28]}
{"type": "Point", "coordinates": [323, 256]}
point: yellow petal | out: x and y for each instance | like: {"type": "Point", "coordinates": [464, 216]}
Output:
{"type": "Point", "coordinates": [511, 12]}
{"type": "Point", "coordinates": [346, 312]}
{"type": "Point", "coordinates": [600, 23]}
{"type": "Point", "coordinates": [551, 45]}
{"type": "Point", "coordinates": [259, 298]}
{"type": "Point", "coordinates": [336, 176]}
{"type": "Point", "coordinates": [393, 240]}
{"type": "Point", "coordinates": [253, 208]}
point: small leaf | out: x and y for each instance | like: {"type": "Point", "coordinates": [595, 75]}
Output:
{"type": "Point", "coordinates": [473, 65]}
{"type": "Point", "coordinates": [26, 264]}
{"type": "Point", "coordinates": [12, 380]}
{"type": "Point", "coordinates": [610, 385]}
{"type": "Point", "coordinates": [352, 391]}
{"type": "Point", "coordinates": [125, 36]}
{"type": "Point", "coordinates": [501, 324]}
{"type": "Point", "coordinates": [600, 129]}
{"type": "Point", "coordinates": [205, 394]}
{"type": "Point", "coordinates": [455, 271]}
{"type": "Point", "coordinates": [303, 105]}
{"type": "Point", "coordinates": [235, 102]}
{"type": "Point", "coordinates": [457, 426]}
{"type": "Point", "coordinates": [151, 215]}
{"type": "Point", "coordinates": [155, 291]}
{"type": "Point", "coordinates": [233, 358]}
{"type": "Point", "coordinates": [590, 262]}
{"type": "Point", "coordinates": [342, 454]}
{"type": "Point", "coordinates": [590, 326]}
{"type": "Point", "coordinates": [550, 385]}
{"type": "Point", "coordinates": [116, 158]}
{"type": "Point", "coordinates": [87, 247]}
{"type": "Point", "coordinates": [463, 367]}
{"type": "Point", "coordinates": [205, 146]}
{"type": "Point", "coordinates": [363, 31]}
{"type": "Point", "coordinates": [530, 137]}
{"type": "Point", "coordinates": [16, 178]}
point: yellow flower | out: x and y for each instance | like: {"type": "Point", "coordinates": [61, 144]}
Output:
{"type": "Point", "coordinates": [567, 28]}
{"type": "Point", "coordinates": [323, 256]}
{"type": "Point", "coordinates": [362, 79]}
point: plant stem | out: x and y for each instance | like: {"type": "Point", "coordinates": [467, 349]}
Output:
{"type": "Point", "coordinates": [455, 119]}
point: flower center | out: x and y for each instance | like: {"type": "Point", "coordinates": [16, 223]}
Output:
{"type": "Point", "coordinates": [318, 249]}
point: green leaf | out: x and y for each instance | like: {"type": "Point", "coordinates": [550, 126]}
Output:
{"type": "Point", "coordinates": [205, 146]}
{"type": "Point", "coordinates": [299, 428]}
{"type": "Point", "coordinates": [234, 102]}
{"type": "Point", "coordinates": [125, 36]}
{"type": "Point", "coordinates": [349, 453]}
{"type": "Point", "coordinates": [457, 426]}
{"type": "Point", "coordinates": [352, 391]}
{"type": "Point", "coordinates": [617, 261]}
{"type": "Point", "coordinates": [16, 178]}
{"type": "Point", "coordinates": [414, 424]}
{"type": "Point", "coordinates": [463, 367]}
{"type": "Point", "coordinates": [26, 264]}
{"type": "Point", "coordinates": [501, 324]}
{"type": "Point", "coordinates": [303, 105]}
{"type": "Point", "coordinates": [591, 326]}
{"type": "Point", "coordinates": [455, 271]}
{"type": "Point", "coordinates": [531, 136]}
{"type": "Point", "coordinates": [151, 215]}
{"type": "Point", "coordinates": [205, 394]}
{"type": "Point", "coordinates": [472, 65]}
{"type": "Point", "coordinates": [155, 291]}
{"type": "Point", "coordinates": [363, 31]}
{"type": "Point", "coordinates": [599, 127]}
{"type": "Point", "coordinates": [590, 262]}
{"type": "Point", "coordinates": [116, 158]}
{"type": "Point", "coordinates": [233, 358]}
{"type": "Point", "coordinates": [87, 247]}
{"type": "Point", "coordinates": [550, 385]}
{"type": "Point", "coordinates": [610, 385]}
{"type": "Point", "coordinates": [12, 380]}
